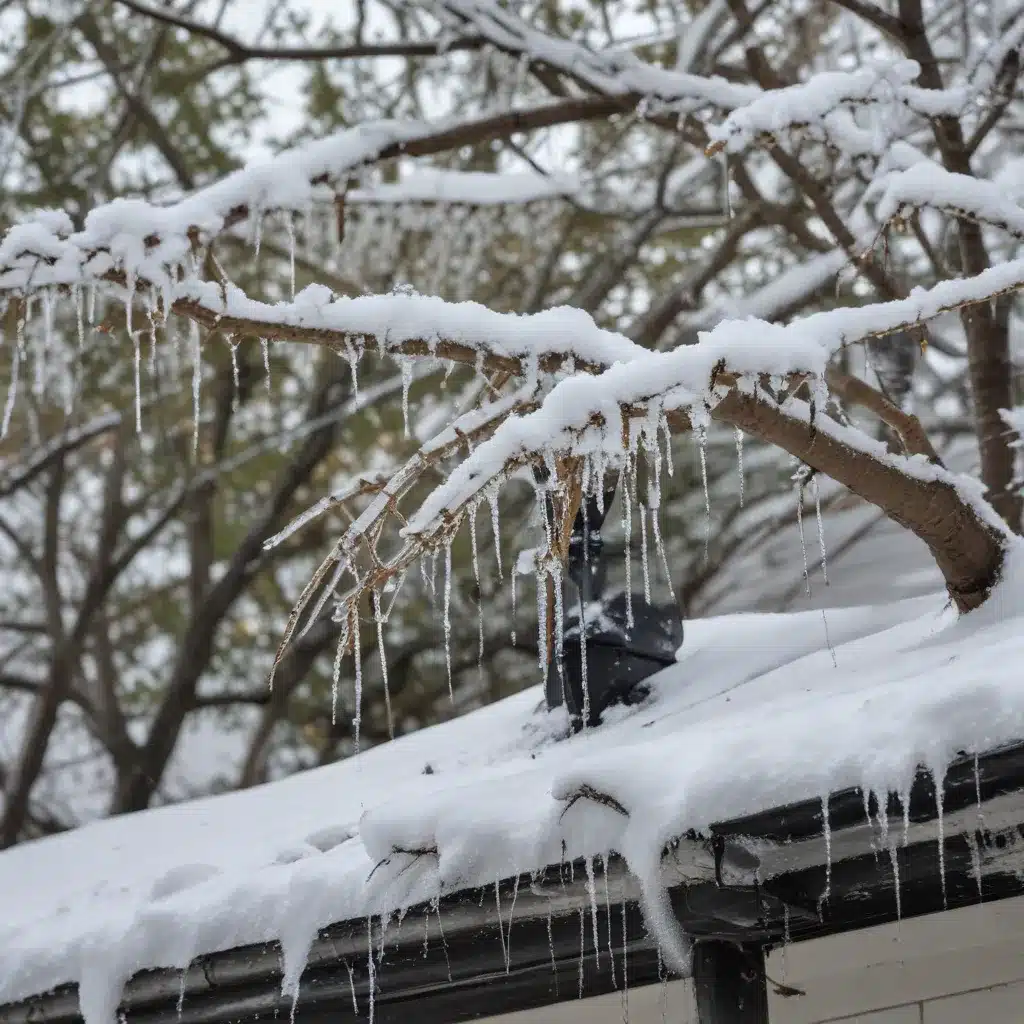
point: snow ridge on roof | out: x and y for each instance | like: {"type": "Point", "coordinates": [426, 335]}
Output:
{"type": "Point", "coordinates": [754, 715]}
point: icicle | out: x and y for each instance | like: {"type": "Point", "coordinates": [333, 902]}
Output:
{"type": "Point", "coordinates": [659, 546]}
{"type": "Point", "coordinates": [257, 231]}
{"type": "Point", "coordinates": [583, 940]}
{"type": "Point", "coordinates": [608, 914]}
{"type": "Point", "coordinates": [559, 616]}
{"type": "Point", "coordinates": [152, 349]}
{"type": "Point", "coordinates": [584, 674]}
{"type": "Point", "coordinates": [79, 313]}
{"type": "Point", "coordinates": [803, 541]}
{"type": "Point", "coordinates": [137, 349]}
{"type": "Point", "coordinates": [501, 925]}
{"type": "Point", "coordinates": [444, 942]}
{"type": "Point", "coordinates": [233, 345]}
{"type": "Point", "coordinates": [265, 350]}
{"type": "Point", "coordinates": [663, 993]}
{"type": "Point", "coordinates": [895, 862]}
{"type": "Point", "coordinates": [472, 544]}
{"type": "Point", "coordinates": [643, 553]}
{"type": "Point", "coordinates": [357, 656]}
{"type": "Point", "coordinates": [492, 501]}
{"type": "Point", "coordinates": [339, 656]}
{"type": "Point", "coordinates": [129, 301]}
{"type": "Point", "coordinates": [352, 354]}
{"type": "Point", "coordinates": [447, 615]}
{"type": "Point", "coordinates": [627, 532]}
{"type": "Point", "coordinates": [941, 826]}
{"type": "Point", "coordinates": [291, 252]}
{"type": "Point", "coordinates": [739, 460]}
{"type": "Point", "coordinates": [91, 312]}
{"type": "Point", "coordinates": [669, 467]}
{"type": "Point", "coordinates": [197, 375]}
{"type": "Point", "coordinates": [406, 383]}
{"type": "Point", "coordinates": [625, 965]}
{"type": "Point", "coordinates": [551, 948]}
{"type": "Point", "coordinates": [592, 896]}
{"type": "Point", "coordinates": [352, 988]}
{"type": "Point", "coordinates": [511, 917]}
{"type": "Point", "coordinates": [370, 968]}
{"type": "Point", "coordinates": [12, 392]}
{"type": "Point", "coordinates": [785, 939]}
{"type": "Point", "coordinates": [379, 619]}
{"type": "Point", "coordinates": [702, 445]}
{"type": "Point", "coordinates": [977, 792]}
{"type": "Point", "coordinates": [865, 792]}
{"type": "Point", "coordinates": [821, 530]}
{"type": "Point", "coordinates": [826, 829]}
{"type": "Point", "coordinates": [542, 625]}
{"type": "Point", "coordinates": [514, 591]}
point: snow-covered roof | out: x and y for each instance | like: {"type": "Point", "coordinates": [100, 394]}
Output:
{"type": "Point", "coordinates": [761, 710]}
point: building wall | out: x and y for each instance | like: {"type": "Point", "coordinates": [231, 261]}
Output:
{"type": "Point", "coordinates": [962, 967]}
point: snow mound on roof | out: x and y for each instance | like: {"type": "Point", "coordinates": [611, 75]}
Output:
{"type": "Point", "coordinates": [761, 710]}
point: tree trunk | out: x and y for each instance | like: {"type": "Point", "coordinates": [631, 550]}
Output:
{"type": "Point", "coordinates": [968, 548]}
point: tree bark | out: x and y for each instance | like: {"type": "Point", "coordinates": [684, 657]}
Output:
{"type": "Point", "coordinates": [968, 550]}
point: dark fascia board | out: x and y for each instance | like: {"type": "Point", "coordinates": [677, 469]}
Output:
{"type": "Point", "coordinates": [485, 964]}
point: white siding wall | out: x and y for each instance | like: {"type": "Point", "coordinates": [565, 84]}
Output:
{"type": "Point", "coordinates": [962, 967]}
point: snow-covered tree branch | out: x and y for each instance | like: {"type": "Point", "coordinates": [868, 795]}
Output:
{"type": "Point", "coordinates": [631, 243]}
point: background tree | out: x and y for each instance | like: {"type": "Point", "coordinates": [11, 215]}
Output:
{"type": "Point", "coordinates": [486, 163]}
